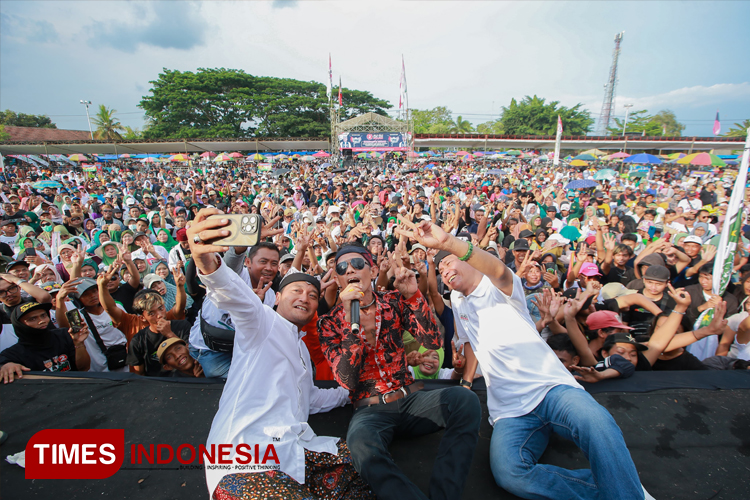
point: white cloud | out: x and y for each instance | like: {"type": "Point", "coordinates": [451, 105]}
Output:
{"type": "Point", "coordinates": [696, 96]}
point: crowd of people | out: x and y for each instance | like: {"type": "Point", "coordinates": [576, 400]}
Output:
{"type": "Point", "coordinates": [458, 273]}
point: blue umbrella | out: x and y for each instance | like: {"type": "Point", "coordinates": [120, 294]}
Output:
{"type": "Point", "coordinates": [642, 158]}
{"type": "Point", "coordinates": [581, 184]}
{"type": "Point", "coordinates": [430, 165]}
{"type": "Point", "coordinates": [46, 184]}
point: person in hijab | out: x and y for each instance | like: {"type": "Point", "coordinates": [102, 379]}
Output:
{"type": "Point", "coordinates": [89, 226]}
{"type": "Point", "coordinates": [161, 269]}
{"type": "Point", "coordinates": [33, 219]}
{"type": "Point", "coordinates": [89, 269]}
{"type": "Point", "coordinates": [100, 237]}
{"type": "Point", "coordinates": [425, 364]}
{"type": "Point", "coordinates": [44, 274]}
{"type": "Point", "coordinates": [127, 239]}
{"type": "Point", "coordinates": [701, 230]}
{"type": "Point", "coordinates": [540, 237]}
{"type": "Point", "coordinates": [155, 222]}
{"type": "Point", "coordinates": [142, 266]}
{"type": "Point", "coordinates": [41, 347]}
{"type": "Point", "coordinates": [108, 252]}
{"type": "Point", "coordinates": [164, 239]}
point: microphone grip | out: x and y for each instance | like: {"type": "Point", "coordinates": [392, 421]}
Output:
{"type": "Point", "coordinates": [354, 314]}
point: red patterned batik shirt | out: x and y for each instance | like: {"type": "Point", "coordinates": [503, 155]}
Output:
{"type": "Point", "coordinates": [368, 371]}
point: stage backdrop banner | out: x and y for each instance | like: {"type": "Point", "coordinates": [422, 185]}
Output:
{"type": "Point", "coordinates": [366, 141]}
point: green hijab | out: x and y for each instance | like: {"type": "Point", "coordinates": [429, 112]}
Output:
{"type": "Point", "coordinates": [418, 373]}
{"type": "Point", "coordinates": [34, 221]}
{"type": "Point", "coordinates": [169, 244]}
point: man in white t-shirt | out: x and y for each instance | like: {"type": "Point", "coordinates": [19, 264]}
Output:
{"type": "Point", "coordinates": [530, 394]}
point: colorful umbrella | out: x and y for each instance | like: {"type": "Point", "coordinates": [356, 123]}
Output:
{"type": "Point", "coordinates": [179, 157]}
{"type": "Point", "coordinates": [585, 157]}
{"type": "Point", "coordinates": [702, 159]}
{"type": "Point", "coordinates": [208, 154]}
{"type": "Point", "coordinates": [676, 156]}
{"type": "Point", "coordinates": [223, 157]}
{"type": "Point", "coordinates": [236, 155]}
{"type": "Point", "coordinates": [581, 184]}
{"type": "Point", "coordinates": [150, 159]}
{"type": "Point", "coordinates": [77, 157]}
{"type": "Point", "coordinates": [513, 152]}
{"type": "Point", "coordinates": [578, 163]}
{"type": "Point", "coordinates": [308, 158]}
{"type": "Point", "coordinates": [256, 156]}
{"type": "Point", "coordinates": [321, 154]}
{"type": "Point", "coordinates": [603, 174]}
{"type": "Point", "coordinates": [125, 156]}
{"type": "Point", "coordinates": [46, 184]}
{"type": "Point", "coordinates": [462, 153]}
{"type": "Point", "coordinates": [618, 155]}
{"type": "Point", "coordinates": [643, 158]}
{"type": "Point", "coordinates": [594, 152]}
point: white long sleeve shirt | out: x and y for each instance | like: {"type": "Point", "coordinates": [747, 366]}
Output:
{"type": "Point", "coordinates": [269, 391]}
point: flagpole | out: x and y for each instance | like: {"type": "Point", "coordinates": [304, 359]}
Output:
{"type": "Point", "coordinates": [730, 231]}
{"type": "Point", "coordinates": [558, 138]}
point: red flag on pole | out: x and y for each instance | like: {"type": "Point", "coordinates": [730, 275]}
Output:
{"type": "Point", "coordinates": [341, 98]}
{"type": "Point", "coordinates": [717, 124]}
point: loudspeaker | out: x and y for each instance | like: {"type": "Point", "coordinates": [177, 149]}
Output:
{"type": "Point", "coordinates": [347, 153]}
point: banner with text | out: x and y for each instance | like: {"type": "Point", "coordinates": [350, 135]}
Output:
{"type": "Point", "coordinates": [367, 141]}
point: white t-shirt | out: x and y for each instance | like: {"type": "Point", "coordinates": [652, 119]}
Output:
{"type": "Point", "coordinates": [110, 336]}
{"type": "Point", "coordinates": [519, 367]}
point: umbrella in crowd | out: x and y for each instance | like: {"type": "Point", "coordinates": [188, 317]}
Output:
{"type": "Point", "coordinates": [308, 158]}
{"type": "Point", "coordinates": [77, 157]}
{"type": "Point", "coordinates": [581, 184]}
{"type": "Point", "coordinates": [676, 156]}
{"type": "Point", "coordinates": [223, 157]}
{"type": "Point", "coordinates": [125, 155]}
{"type": "Point", "coordinates": [236, 155]}
{"type": "Point", "coordinates": [578, 163]}
{"type": "Point", "coordinates": [513, 152]}
{"type": "Point", "coordinates": [46, 184]}
{"type": "Point", "coordinates": [594, 152]}
{"type": "Point", "coordinates": [179, 157]}
{"type": "Point", "coordinates": [280, 171]}
{"type": "Point", "coordinates": [703, 159]}
{"type": "Point", "coordinates": [208, 154]}
{"type": "Point", "coordinates": [149, 159]}
{"type": "Point", "coordinates": [321, 154]}
{"type": "Point", "coordinates": [256, 156]}
{"type": "Point", "coordinates": [617, 156]}
{"type": "Point", "coordinates": [585, 157]}
{"type": "Point", "coordinates": [643, 158]}
{"type": "Point", "coordinates": [606, 173]}
{"type": "Point", "coordinates": [325, 165]}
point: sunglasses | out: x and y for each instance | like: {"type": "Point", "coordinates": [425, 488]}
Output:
{"type": "Point", "coordinates": [357, 263]}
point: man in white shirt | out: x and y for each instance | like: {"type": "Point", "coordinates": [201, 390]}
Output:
{"type": "Point", "coordinates": [269, 354]}
{"type": "Point", "coordinates": [530, 394]}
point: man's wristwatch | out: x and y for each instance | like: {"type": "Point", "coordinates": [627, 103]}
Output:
{"type": "Point", "coordinates": [466, 383]}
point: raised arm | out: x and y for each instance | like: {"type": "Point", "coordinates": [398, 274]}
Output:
{"type": "Point", "coordinates": [106, 300]}
{"type": "Point", "coordinates": [432, 236]}
{"type": "Point", "coordinates": [663, 335]}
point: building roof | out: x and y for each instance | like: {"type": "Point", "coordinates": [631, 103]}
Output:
{"type": "Point", "coordinates": [46, 134]}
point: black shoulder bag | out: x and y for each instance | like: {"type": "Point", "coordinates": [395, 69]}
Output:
{"type": "Point", "coordinates": [116, 355]}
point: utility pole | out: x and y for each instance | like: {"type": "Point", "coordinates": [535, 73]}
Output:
{"type": "Point", "coordinates": [87, 104]}
{"type": "Point", "coordinates": [627, 112]}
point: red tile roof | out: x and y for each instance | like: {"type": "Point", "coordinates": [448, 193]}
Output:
{"type": "Point", "coordinates": [46, 134]}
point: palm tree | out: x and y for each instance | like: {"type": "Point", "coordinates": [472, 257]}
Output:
{"type": "Point", "coordinates": [739, 129]}
{"type": "Point", "coordinates": [107, 125]}
{"type": "Point", "coordinates": [462, 126]}
{"type": "Point", "coordinates": [132, 133]}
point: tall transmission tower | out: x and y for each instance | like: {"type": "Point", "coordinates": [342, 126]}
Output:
{"type": "Point", "coordinates": [608, 106]}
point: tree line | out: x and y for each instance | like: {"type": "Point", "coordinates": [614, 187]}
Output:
{"type": "Point", "coordinates": [229, 103]}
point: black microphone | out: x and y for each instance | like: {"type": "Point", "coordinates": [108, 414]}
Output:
{"type": "Point", "coordinates": [354, 313]}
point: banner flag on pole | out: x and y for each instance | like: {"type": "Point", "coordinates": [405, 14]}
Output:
{"type": "Point", "coordinates": [402, 86]}
{"type": "Point", "coordinates": [730, 232]}
{"type": "Point", "coordinates": [717, 125]}
{"type": "Point", "coordinates": [556, 159]}
{"type": "Point", "coordinates": [341, 97]}
{"type": "Point", "coordinates": [329, 86]}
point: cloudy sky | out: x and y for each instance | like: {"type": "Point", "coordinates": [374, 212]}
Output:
{"type": "Point", "coordinates": [472, 57]}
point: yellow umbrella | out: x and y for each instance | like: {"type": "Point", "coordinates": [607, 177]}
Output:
{"type": "Point", "coordinates": [257, 156]}
{"type": "Point", "coordinates": [579, 163]}
{"type": "Point", "coordinates": [594, 152]}
{"type": "Point", "coordinates": [77, 157]}
{"type": "Point", "coordinates": [179, 157]}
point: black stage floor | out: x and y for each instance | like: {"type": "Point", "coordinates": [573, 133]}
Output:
{"type": "Point", "coordinates": [689, 435]}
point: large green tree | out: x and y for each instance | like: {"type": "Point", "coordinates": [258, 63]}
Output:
{"type": "Point", "coordinates": [641, 122]}
{"type": "Point", "coordinates": [438, 120]}
{"type": "Point", "coordinates": [223, 102]}
{"type": "Point", "coordinates": [4, 136]}
{"type": "Point", "coordinates": [739, 129]}
{"type": "Point", "coordinates": [14, 119]}
{"type": "Point", "coordinates": [491, 127]}
{"type": "Point", "coordinates": [461, 126]}
{"type": "Point", "coordinates": [535, 116]}
{"type": "Point", "coordinates": [107, 125]}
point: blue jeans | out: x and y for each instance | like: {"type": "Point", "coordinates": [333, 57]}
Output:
{"type": "Point", "coordinates": [214, 364]}
{"type": "Point", "coordinates": [517, 443]}
{"type": "Point", "coordinates": [372, 428]}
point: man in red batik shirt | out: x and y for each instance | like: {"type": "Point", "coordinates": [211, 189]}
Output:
{"type": "Point", "coordinates": [371, 364]}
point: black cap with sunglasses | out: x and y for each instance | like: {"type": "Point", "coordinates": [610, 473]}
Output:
{"type": "Point", "coordinates": [357, 262]}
